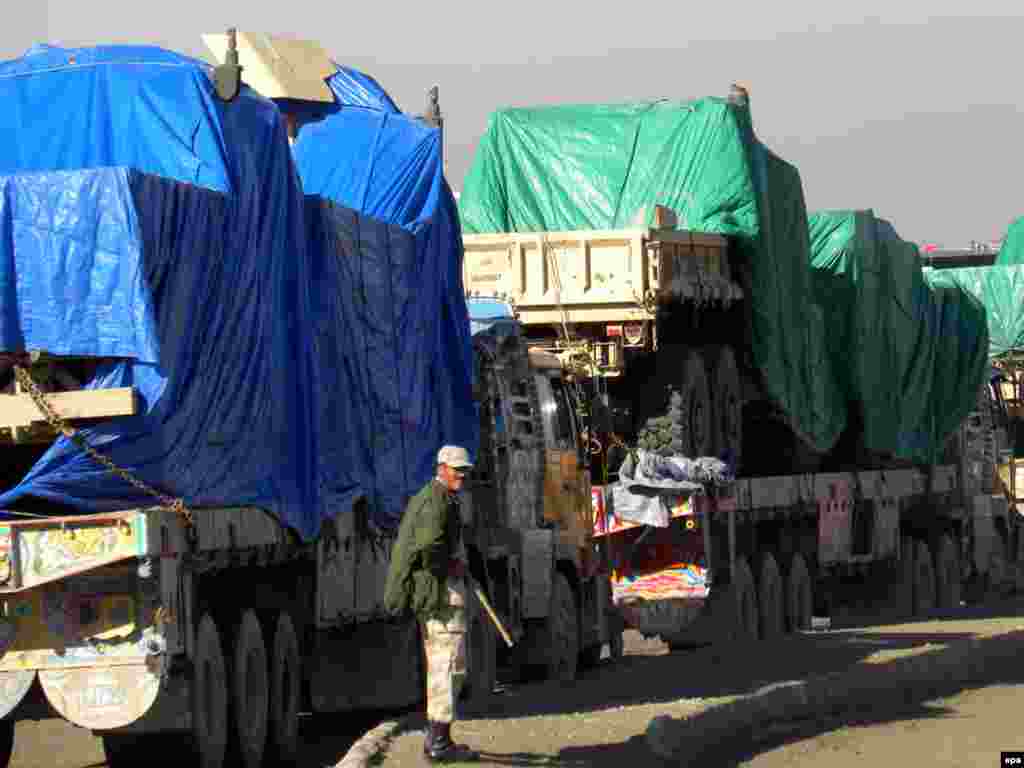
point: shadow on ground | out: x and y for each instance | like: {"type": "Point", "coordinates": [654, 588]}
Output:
{"type": "Point", "coordinates": [731, 747]}
{"type": "Point", "coordinates": [651, 677]}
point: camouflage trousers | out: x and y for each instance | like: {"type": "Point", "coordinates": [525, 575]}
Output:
{"type": "Point", "coordinates": [445, 646]}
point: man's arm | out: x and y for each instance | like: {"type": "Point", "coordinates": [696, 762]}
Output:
{"type": "Point", "coordinates": [430, 539]}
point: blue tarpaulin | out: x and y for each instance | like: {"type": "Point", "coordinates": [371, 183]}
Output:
{"type": "Point", "coordinates": [143, 218]}
{"type": "Point", "coordinates": [385, 233]}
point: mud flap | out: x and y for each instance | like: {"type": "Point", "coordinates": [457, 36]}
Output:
{"type": "Point", "coordinates": [102, 698]}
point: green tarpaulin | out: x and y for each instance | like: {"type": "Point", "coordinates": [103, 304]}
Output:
{"type": "Point", "coordinates": [606, 166]}
{"type": "Point", "coordinates": [1001, 290]}
{"type": "Point", "coordinates": [909, 347]}
{"type": "Point", "coordinates": [1012, 250]}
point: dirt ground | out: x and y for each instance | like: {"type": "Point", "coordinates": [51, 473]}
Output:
{"type": "Point", "coordinates": [600, 720]}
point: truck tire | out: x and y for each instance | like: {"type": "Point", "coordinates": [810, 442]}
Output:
{"type": "Point", "coordinates": [726, 405]}
{"type": "Point", "coordinates": [482, 655]}
{"type": "Point", "coordinates": [799, 595]}
{"type": "Point", "coordinates": [123, 750]}
{"type": "Point", "coordinates": [563, 645]}
{"type": "Point", "coordinates": [6, 741]}
{"type": "Point", "coordinates": [924, 580]}
{"type": "Point", "coordinates": [250, 691]}
{"type": "Point", "coordinates": [696, 405]}
{"type": "Point", "coordinates": [908, 552]}
{"type": "Point", "coordinates": [616, 645]}
{"type": "Point", "coordinates": [590, 657]}
{"type": "Point", "coordinates": [947, 574]}
{"type": "Point", "coordinates": [744, 618]}
{"type": "Point", "coordinates": [998, 564]}
{"type": "Point", "coordinates": [210, 696]}
{"type": "Point", "coordinates": [685, 429]}
{"type": "Point", "coordinates": [770, 599]}
{"type": "Point", "coordinates": [285, 693]}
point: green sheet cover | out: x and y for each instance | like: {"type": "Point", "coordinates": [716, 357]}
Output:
{"type": "Point", "coordinates": [605, 166]}
{"type": "Point", "coordinates": [1001, 290]}
{"type": "Point", "coordinates": [908, 346]}
{"type": "Point", "coordinates": [1012, 250]}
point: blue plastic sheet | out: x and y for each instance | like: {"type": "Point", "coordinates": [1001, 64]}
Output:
{"type": "Point", "coordinates": [291, 353]}
{"type": "Point", "coordinates": [141, 217]}
{"type": "Point", "coordinates": [388, 249]}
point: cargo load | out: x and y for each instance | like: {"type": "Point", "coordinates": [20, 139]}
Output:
{"type": "Point", "coordinates": [606, 167]}
{"type": "Point", "coordinates": [394, 350]}
{"type": "Point", "coordinates": [286, 353]}
{"type": "Point", "coordinates": [909, 349]}
{"type": "Point", "coordinates": [1012, 250]}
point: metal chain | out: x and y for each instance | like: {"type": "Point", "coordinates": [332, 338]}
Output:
{"type": "Point", "coordinates": [54, 419]}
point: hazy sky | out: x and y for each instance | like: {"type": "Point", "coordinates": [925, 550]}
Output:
{"type": "Point", "coordinates": [915, 114]}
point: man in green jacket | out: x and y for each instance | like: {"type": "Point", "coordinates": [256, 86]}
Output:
{"type": "Point", "coordinates": [427, 577]}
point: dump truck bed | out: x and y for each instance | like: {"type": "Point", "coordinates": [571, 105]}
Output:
{"type": "Point", "coordinates": [597, 275]}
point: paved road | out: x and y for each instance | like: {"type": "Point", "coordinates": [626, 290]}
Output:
{"type": "Point", "coordinates": [56, 744]}
{"type": "Point", "coordinates": [962, 731]}
{"type": "Point", "coordinates": [599, 721]}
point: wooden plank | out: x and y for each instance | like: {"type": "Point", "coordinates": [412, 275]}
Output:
{"type": "Point", "coordinates": [19, 410]}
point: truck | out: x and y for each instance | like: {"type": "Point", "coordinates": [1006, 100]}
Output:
{"type": "Point", "coordinates": [671, 271]}
{"type": "Point", "coordinates": [206, 450]}
{"type": "Point", "coordinates": [551, 575]}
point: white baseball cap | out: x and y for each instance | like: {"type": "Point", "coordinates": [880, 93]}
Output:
{"type": "Point", "coordinates": [454, 456]}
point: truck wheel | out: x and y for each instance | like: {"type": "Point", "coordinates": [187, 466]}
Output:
{"type": "Point", "coordinates": [908, 551]}
{"type": "Point", "coordinates": [482, 655]}
{"type": "Point", "coordinates": [250, 691]}
{"type": "Point", "coordinates": [924, 580]}
{"type": "Point", "coordinates": [947, 574]}
{"type": "Point", "coordinates": [696, 405]}
{"type": "Point", "coordinates": [727, 405]}
{"type": "Point", "coordinates": [770, 600]}
{"type": "Point", "coordinates": [563, 644]}
{"type": "Point", "coordinates": [122, 749]}
{"type": "Point", "coordinates": [210, 696]}
{"type": "Point", "coordinates": [285, 693]}
{"type": "Point", "coordinates": [6, 741]}
{"type": "Point", "coordinates": [744, 598]}
{"type": "Point", "coordinates": [617, 641]}
{"type": "Point", "coordinates": [591, 657]}
{"type": "Point", "coordinates": [998, 565]}
{"type": "Point", "coordinates": [799, 595]}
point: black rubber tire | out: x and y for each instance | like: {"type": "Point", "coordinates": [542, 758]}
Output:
{"type": "Point", "coordinates": [6, 741]}
{"type": "Point", "coordinates": [563, 645]}
{"type": "Point", "coordinates": [591, 657]}
{"type": "Point", "coordinates": [122, 750]}
{"type": "Point", "coordinates": [770, 599]}
{"type": "Point", "coordinates": [481, 640]}
{"type": "Point", "coordinates": [924, 580]}
{"type": "Point", "coordinates": [947, 574]}
{"type": "Point", "coordinates": [726, 404]}
{"type": "Point", "coordinates": [210, 725]}
{"type": "Point", "coordinates": [908, 551]}
{"type": "Point", "coordinates": [799, 595]}
{"type": "Point", "coordinates": [745, 614]}
{"type": "Point", "coordinates": [285, 693]}
{"type": "Point", "coordinates": [616, 635]}
{"type": "Point", "coordinates": [696, 405]}
{"type": "Point", "coordinates": [250, 691]}
{"type": "Point", "coordinates": [685, 426]}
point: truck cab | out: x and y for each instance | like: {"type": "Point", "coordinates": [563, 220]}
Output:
{"type": "Point", "coordinates": [531, 502]}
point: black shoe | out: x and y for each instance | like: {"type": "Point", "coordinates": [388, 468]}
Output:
{"type": "Point", "coordinates": [439, 747]}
